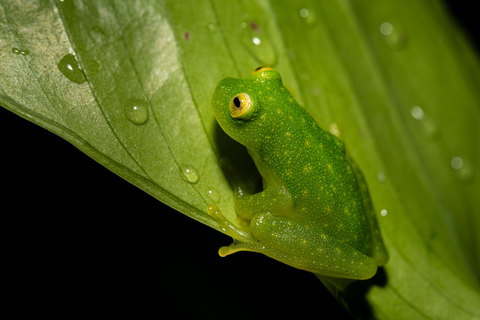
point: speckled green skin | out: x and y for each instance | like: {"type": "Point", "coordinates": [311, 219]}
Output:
{"type": "Point", "coordinates": [315, 212]}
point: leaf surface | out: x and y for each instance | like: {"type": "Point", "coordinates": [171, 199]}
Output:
{"type": "Point", "coordinates": [129, 83]}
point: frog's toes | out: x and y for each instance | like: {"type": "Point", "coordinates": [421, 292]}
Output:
{"type": "Point", "coordinates": [240, 246]}
{"type": "Point", "coordinates": [227, 227]}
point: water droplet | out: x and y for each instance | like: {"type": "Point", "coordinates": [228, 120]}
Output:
{"type": "Point", "coordinates": [431, 128]}
{"type": "Point", "coordinates": [308, 16]}
{"type": "Point", "coordinates": [255, 40]}
{"type": "Point", "coordinates": [383, 213]}
{"type": "Point", "coordinates": [427, 124]}
{"type": "Point", "coordinates": [417, 112]}
{"type": "Point", "coordinates": [394, 37]}
{"type": "Point", "coordinates": [70, 69]}
{"type": "Point", "coordinates": [211, 26]}
{"type": "Point", "coordinates": [304, 13]}
{"type": "Point", "coordinates": [386, 28]}
{"type": "Point", "coordinates": [381, 176]}
{"type": "Point", "coordinates": [334, 130]}
{"type": "Point", "coordinates": [457, 163]}
{"type": "Point", "coordinates": [189, 174]}
{"type": "Point", "coordinates": [213, 195]}
{"type": "Point", "coordinates": [462, 169]}
{"type": "Point", "coordinates": [136, 110]}
{"type": "Point", "coordinates": [18, 51]}
{"type": "Point", "coordinates": [243, 25]}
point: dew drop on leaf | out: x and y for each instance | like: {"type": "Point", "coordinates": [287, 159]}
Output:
{"type": "Point", "coordinates": [334, 129]}
{"type": "Point", "coordinates": [257, 42]}
{"type": "Point", "coordinates": [212, 27]}
{"type": "Point", "coordinates": [417, 112]}
{"type": "Point", "coordinates": [427, 124]}
{"type": "Point", "coordinates": [70, 69]}
{"type": "Point", "coordinates": [308, 16]}
{"type": "Point", "coordinates": [136, 110]}
{"type": "Point", "coordinates": [393, 36]}
{"type": "Point", "coordinates": [189, 174]}
{"type": "Point", "coordinates": [18, 51]}
{"type": "Point", "coordinates": [381, 176]}
{"type": "Point", "coordinates": [457, 163]}
{"type": "Point", "coordinates": [213, 195]}
{"type": "Point", "coordinates": [462, 169]}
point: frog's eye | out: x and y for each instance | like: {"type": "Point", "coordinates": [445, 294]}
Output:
{"type": "Point", "coordinates": [240, 105]}
{"type": "Point", "coordinates": [261, 69]}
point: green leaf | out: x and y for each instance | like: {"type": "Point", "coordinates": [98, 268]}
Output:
{"type": "Point", "coordinates": [129, 83]}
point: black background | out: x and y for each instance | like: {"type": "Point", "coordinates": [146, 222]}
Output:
{"type": "Point", "coordinates": [80, 240]}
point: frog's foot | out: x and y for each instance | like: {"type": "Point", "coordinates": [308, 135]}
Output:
{"type": "Point", "coordinates": [243, 239]}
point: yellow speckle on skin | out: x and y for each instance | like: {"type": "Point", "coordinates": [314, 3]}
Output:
{"type": "Point", "coordinates": [279, 111]}
{"type": "Point", "coordinates": [308, 168]}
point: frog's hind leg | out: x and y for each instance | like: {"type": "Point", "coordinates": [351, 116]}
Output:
{"type": "Point", "coordinates": [304, 247]}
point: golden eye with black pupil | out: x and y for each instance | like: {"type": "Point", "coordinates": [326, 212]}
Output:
{"type": "Point", "coordinates": [261, 69]}
{"type": "Point", "coordinates": [240, 105]}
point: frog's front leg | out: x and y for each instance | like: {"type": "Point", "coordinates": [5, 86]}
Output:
{"type": "Point", "coordinates": [272, 200]}
{"type": "Point", "coordinates": [276, 200]}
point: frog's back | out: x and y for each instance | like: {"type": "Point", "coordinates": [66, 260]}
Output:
{"type": "Point", "coordinates": [312, 164]}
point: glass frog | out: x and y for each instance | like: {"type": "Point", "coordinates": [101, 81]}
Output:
{"type": "Point", "coordinates": [314, 212]}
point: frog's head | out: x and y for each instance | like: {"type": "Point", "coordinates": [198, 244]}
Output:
{"type": "Point", "coordinates": [239, 104]}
